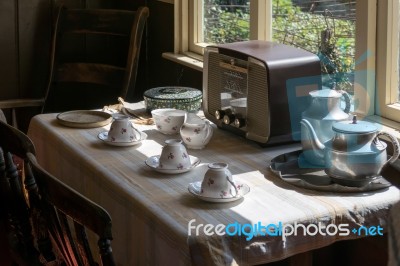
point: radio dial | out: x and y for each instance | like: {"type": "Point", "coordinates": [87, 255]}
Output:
{"type": "Point", "coordinates": [229, 118]}
{"type": "Point", "coordinates": [219, 114]}
{"type": "Point", "coordinates": [239, 122]}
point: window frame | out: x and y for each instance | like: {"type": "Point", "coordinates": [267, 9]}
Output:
{"type": "Point", "coordinates": [387, 70]}
{"type": "Point", "coordinates": [376, 70]}
{"type": "Point", "coordinates": [195, 34]}
{"type": "Point", "coordinates": [364, 82]}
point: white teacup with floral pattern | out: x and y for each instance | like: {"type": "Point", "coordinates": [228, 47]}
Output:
{"type": "Point", "coordinates": [218, 182]}
{"type": "Point", "coordinates": [174, 155]}
{"type": "Point", "coordinates": [168, 120]}
{"type": "Point", "coordinates": [122, 130]}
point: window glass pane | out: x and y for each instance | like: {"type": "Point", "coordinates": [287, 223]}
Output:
{"type": "Point", "coordinates": [226, 21]}
{"type": "Point", "coordinates": [326, 28]}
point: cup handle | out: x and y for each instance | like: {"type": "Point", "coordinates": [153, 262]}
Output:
{"type": "Point", "coordinates": [233, 185]}
{"type": "Point", "coordinates": [137, 136]}
{"type": "Point", "coordinates": [395, 143]}
{"type": "Point", "coordinates": [208, 128]}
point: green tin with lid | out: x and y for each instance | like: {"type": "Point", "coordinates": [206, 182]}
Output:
{"type": "Point", "coordinates": [182, 98]}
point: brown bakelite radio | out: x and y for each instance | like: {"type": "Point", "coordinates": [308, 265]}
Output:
{"type": "Point", "coordinates": [258, 89]}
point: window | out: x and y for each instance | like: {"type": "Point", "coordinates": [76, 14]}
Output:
{"type": "Point", "coordinates": [375, 59]}
{"type": "Point", "coordinates": [191, 18]}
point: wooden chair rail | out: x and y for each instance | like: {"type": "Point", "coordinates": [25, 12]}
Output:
{"type": "Point", "coordinates": [101, 74]}
{"type": "Point", "coordinates": [99, 21]}
{"type": "Point", "coordinates": [17, 103]}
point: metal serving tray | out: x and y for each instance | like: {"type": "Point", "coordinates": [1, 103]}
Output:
{"type": "Point", "coordinates": [292, 168]}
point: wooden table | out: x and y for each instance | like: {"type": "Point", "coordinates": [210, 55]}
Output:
{"type": "Point", "coordinates": [151, 211]}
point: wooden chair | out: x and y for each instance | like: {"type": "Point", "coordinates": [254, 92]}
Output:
{"type": "Point", "coordinates": [67, 215]}
{"type": "Point", "coordinates": [15, 214]}
{"type": "Point", "coordinates": [94, 59]}
{"type": "Point", "coordinates": [60, 216]}
{"type": "Point", "coordinates": [14, 209]}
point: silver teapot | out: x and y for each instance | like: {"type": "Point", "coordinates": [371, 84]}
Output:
{"type": "Point", "coordinates": [323, 111]}
{"type": "Point", "coordinates": [355, 155]}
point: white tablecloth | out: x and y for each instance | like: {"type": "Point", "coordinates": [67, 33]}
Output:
{"type": "Point", "coordinates": [151, 211]}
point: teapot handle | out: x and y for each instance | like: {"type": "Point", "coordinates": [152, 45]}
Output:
{"type": "Point", "coordinates": [395, 143]}
{"type": "Point", "coordinates": [347, 101]}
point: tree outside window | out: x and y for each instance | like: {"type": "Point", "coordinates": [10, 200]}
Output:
{"type": "Point", "coordinates": [326, 28]}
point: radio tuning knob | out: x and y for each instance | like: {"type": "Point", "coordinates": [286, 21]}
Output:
{"type": "Point", "coordinates": [229, 118]}
{"type": "Point", "coordinates": [219, 114]}
{"type": "Point", "coordinates": [239, 122]}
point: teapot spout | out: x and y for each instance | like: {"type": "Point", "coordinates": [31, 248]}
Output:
{"type": "Point", "coordinates": [313, 148]}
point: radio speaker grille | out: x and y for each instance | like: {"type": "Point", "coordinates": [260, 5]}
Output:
{"type": "Point", "coordinates": [214, 84]}
{"type": "Point", "coordinates": [258, 120]}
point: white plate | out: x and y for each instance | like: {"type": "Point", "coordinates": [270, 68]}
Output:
{"type": "Point", "coordinates": [195, 189]}
{"type": "Point", "coordinates": [154, 161]}
{"type": "Point", "coordinates": [103, 137]}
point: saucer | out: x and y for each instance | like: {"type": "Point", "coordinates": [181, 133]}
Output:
{"type": "Point", "coordinates": [154, 161]}
{"type": "Point", "coordinates": [195, 189]}
{"type": "Point", "coordinates": [103, 136]}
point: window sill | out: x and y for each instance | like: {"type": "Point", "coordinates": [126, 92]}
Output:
{"type": "Point", "coordinates": [190, 60]}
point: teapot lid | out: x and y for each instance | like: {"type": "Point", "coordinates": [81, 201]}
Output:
{"type": "Point", "coordinates": [325, 93]}
{"type": "Point", "coordinates": [354, 127]}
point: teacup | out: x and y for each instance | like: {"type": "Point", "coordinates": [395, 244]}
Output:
{"type": "Point", "coordinates": [174, 155]}
{"type": "Point", "coordinates": [218, 182]}
{"type": "Point", "coordinates": [167, 120]}
{"type": "Point", "coordinates": [122, 130]}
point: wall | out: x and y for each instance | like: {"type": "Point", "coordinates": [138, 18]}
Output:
{"type": "Point", "coordinates": [26, 25]}
{"type": "Point", "coordinates": [24, 42]}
